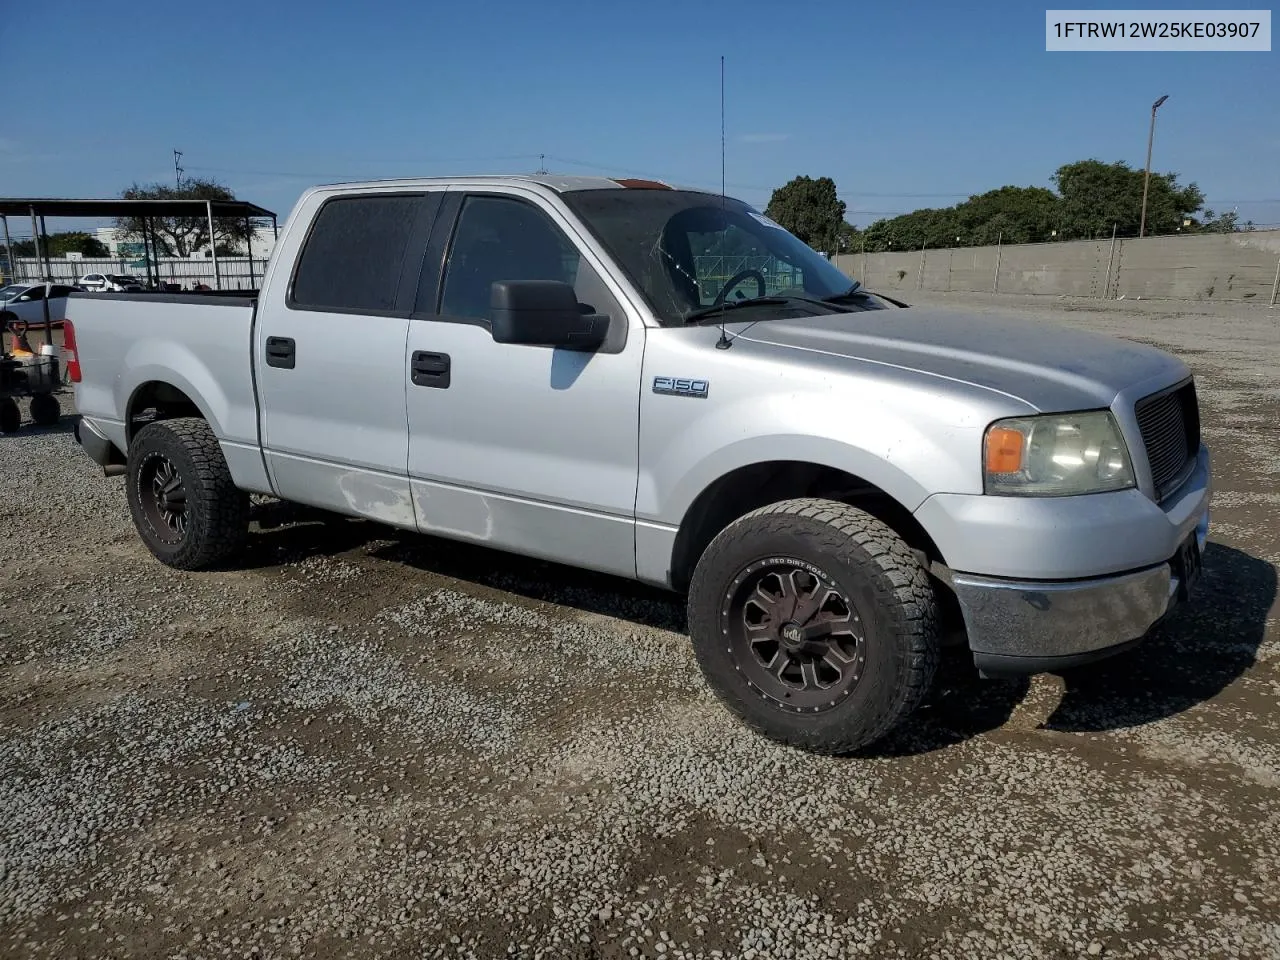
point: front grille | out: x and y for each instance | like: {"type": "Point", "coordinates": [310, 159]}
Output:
{"type": "Point", "coordinates": [1170, 427]}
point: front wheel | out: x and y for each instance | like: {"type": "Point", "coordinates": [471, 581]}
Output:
{"type": "Point", "coordinates": [184, 503]}
{"type": "Point", "coordinates": [815, 624]}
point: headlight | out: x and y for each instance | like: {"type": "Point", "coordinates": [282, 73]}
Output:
{"type": "Point", "coordinates": [1056, 455]}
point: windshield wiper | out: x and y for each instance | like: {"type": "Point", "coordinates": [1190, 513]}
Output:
{"type": "Point", "coordinates": [702, 313]}
{"type": "Point", "coordinates": [854, 291]}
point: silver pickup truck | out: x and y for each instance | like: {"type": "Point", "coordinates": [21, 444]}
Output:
{"type": "Point", "coordinates": [665, 385]}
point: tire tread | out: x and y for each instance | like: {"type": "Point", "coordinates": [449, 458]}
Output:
{"type": "Point", "coordinates": [225, 506]}
{"type": "Point", "coordinates": [910, 600]}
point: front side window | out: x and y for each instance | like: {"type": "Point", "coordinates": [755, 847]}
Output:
{"type": "Point", "coordinates": [503, 239]}
{"type": "Point", "coordinates": [352, 258]}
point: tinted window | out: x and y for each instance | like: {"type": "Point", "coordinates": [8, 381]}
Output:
{"type": "Point", "coordinates": [353, 256]}
{"type": "Point", "coordinates": [59, 291]}
{"type": "Point", "coordinates": [499, 238]}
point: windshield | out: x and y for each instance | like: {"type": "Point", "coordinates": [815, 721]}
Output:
{"type": "Point", "coordinates": [686, 251]}
{"type": "Point", "coordinates": [11, 291]}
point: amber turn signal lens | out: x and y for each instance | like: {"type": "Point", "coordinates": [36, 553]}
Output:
{"type": "Point", "coordinates": [1004, 450]}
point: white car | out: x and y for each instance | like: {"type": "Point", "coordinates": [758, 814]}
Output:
{"type": "Point", "coordinates": [110, 282]}
{"type": "Point", "coordinates": [25, 301]}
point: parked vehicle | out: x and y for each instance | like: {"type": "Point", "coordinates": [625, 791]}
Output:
{"type": "Point", "coordinates": [25, 301]}
{"type": "Point", "coordinates": [110, 282]}
{"type": "Point", "coordinates": [565, 368]}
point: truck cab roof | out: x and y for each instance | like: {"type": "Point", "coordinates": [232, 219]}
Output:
{"type": "Point", "coordinates": [558, 183]}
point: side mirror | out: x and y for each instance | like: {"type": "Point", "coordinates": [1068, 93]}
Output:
{"type": "Point", "coordinates": [543, 313]}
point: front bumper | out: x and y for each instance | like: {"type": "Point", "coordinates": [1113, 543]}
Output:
{"type": "Point", "coordinates": [1020, 627]}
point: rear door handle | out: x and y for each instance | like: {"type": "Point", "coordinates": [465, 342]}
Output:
{"type": "Point", "coordinates": [429, 369]}
{"type": "Point", "coordinates": [281, 352]}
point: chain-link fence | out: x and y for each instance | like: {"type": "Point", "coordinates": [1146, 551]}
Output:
{"type": "Point", "coordinates": [714, 272]}
{"type": "Point", "coordinates": [233, 273]}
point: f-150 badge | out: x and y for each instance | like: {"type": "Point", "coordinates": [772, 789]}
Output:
{"type": "Point", "coordinates": [681, 387]}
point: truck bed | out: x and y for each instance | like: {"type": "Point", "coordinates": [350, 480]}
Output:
{"type": "Point", "coordinates": [198, 342]}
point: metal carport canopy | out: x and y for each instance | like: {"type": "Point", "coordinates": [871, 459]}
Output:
{"type": "Point", "coordinates": [62, 207]}
{"type": "Point", "coordinates": [40, 207]}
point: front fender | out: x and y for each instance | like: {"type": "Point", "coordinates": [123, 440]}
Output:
{"type": "Point", "coordinates": [907, 453]}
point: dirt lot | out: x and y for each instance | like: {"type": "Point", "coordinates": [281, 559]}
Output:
{"type": "Point", "coordinates": [367, 743]}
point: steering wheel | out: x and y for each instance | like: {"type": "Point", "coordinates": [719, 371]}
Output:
{"type": "Point", "coordinates": [736, 279]}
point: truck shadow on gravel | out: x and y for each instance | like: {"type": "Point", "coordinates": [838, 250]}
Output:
{"type": "Point", "coordinates": [1197, 653]}
{"type": "Point", "coordinates": [289, 533]}
{"type": "Point", "coordinates": [1191, 658]}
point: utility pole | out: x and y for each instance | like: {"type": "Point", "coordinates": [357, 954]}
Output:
{"type": "Point", "coordinates": [177, 169]}
{"type": "Point", "coordinates": [542, 164]}
{"type": "Point", "coordinates": [1146, 179]}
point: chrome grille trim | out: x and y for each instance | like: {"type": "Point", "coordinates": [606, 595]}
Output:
{"type": "Point", "coordinates": [1169, 422]}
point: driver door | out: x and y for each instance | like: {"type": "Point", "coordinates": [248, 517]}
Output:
{"type": "Point", "coordinates": [524, 448]}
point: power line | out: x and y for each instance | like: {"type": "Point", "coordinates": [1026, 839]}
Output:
{"type": "Point", "coordinates": [542, 159]}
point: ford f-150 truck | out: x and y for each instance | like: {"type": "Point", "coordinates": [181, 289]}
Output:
{"type": "Point", "coordinates": [666, 385]}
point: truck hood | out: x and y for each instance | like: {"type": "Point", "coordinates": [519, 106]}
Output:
{"type": "Point", "coordinates": [1051, 368]}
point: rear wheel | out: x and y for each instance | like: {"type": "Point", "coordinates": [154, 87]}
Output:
{"type": "Point", "coordinates": [10, 415]}
{"type": "Point", "coordinates": [815, 624]}
{"type": "Point", "coordinates": [184, 503]}
{"type": "Point", "coordinates": [45, 410]}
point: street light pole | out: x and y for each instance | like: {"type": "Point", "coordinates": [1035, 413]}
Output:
{"type": "Point", "coordinates": [1146, 179]}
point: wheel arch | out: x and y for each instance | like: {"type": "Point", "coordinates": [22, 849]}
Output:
{"type": "Point", "coordinates": [168, 401]}
{"type": "Point", "coordinates": [748, 487]}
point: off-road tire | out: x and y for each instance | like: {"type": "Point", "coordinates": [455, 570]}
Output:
{"type": "Point", "coordinates": [10, 415]}
{"type": "Point", "coordinates": [217, 520]}
{"type": "Point", "coordinates": [45, 410]}
{"type": "Point", "coordinates": [882, 578]}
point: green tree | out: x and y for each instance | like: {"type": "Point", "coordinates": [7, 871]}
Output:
{"type": "Point", "coordinates": [930, 227]}
{"type": "Point", "coordinates": [60, 244]}
{"type": "Point", "coordinates": [1220, 223]}
{"type": "Point", "coordinates": [810, 209]}
{"type": "Point", "coordinates": [1016, 214]}
{"type": "Point", "coordinates": [183, 236]}
{"type": "Point", "coordinates": [1094, 196]}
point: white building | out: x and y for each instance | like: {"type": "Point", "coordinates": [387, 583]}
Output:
{"type": "Point", "coordinates": [263, 242]}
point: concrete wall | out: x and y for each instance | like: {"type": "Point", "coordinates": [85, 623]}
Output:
{"type": "Point", "coordinates": [1233, 266]}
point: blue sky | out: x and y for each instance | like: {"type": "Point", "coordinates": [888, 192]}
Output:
{"type": "Point", "coordinates": [903, 104]}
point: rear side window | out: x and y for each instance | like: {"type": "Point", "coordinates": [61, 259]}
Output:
{"type": "Point", "coordinates": [353, 256]}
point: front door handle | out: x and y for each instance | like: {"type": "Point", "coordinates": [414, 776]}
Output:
{"type": "Point", "coordinates": [429, 369]}
{"type": "Point", "coordinates": [281, 352]}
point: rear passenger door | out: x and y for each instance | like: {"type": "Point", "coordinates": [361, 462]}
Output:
{"type": "Point", "coordinates": [329, 352]}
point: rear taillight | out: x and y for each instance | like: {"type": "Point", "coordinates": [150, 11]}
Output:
{"type": "Point", "coordinates": [69, 355]}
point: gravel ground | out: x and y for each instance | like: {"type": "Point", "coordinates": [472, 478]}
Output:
{"type": "Point", "coordinates": [362, 743]}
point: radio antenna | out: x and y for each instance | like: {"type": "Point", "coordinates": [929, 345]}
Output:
{"type": "Point", "coordinates": [724, 342]}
